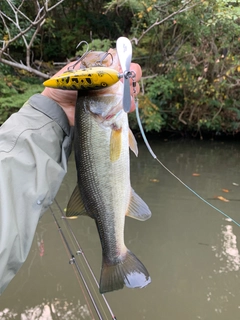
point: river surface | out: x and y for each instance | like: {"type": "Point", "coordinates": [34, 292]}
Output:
{"type": "Point", "coordinates": [190, 250]}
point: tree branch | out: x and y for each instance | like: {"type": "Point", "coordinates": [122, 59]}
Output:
{"type": "Point", "coordinates": [16, 17]}
{"type": "Point", "coordinates": [157, 22]}
{"type": "Point", "coordinates": [24, 67]}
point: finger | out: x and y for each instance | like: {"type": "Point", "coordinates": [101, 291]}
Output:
{"type": "Point", "coordinates": [137, 69]}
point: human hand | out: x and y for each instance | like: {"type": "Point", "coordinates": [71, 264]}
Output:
{"type": "Point", "coordinates": [67, 98]}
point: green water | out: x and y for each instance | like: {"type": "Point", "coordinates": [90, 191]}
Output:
{"type": "Point", "coordinates": [190, 250]}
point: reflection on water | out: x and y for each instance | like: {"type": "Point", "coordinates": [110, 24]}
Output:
{"type": "Point", "coordinates": [190, 250]}
{"type": "Point", "coordinates": [50, 310]}
{"type": "Point", "coordinates": [228, 252]}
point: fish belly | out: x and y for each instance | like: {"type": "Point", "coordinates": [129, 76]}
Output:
{"type": "Point", "coordinates": [104, 184]}
{"type": "Point", "coordinates": [105, 189]}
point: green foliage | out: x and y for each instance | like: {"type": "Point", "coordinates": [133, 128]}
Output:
{"type": "Point", "coordinates": [186, 99]}
{"type": "Point", "coordinates": [11, 30]}
{"type": "Point", "coordinates": [96, 45]}
{"type": "Point", "coordinates": [150, 116]}
{"type": "Point", "coordinates": [5, 69]}
{"type": "Point", "coordinates": [14, 92]}
{"type": "Point", "coordinates": [75, 21]}
{"type": "Point", "coordinates": [190, 61]}
{"type": "Point", "coordinates": [196, 57]}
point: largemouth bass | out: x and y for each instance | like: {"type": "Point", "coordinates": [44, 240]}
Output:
{"type": "Point", "coordinates": [103, 192]}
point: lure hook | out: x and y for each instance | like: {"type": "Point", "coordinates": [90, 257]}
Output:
{"type": "Point", "coordinates": [72, 67]}
{"type": "Point", "coordinates": [83, 41]}
{"type": "Point", "coordinates": [99, 63]}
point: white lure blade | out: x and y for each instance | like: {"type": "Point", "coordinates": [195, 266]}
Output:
{"type": "Point", "coordinates": [124, 50]}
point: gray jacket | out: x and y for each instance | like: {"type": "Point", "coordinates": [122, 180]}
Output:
{"type": "Point", "coordinates": [35, 144]}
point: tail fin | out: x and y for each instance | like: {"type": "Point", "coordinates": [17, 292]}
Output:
{"type": "Point", "coordinates": [129, 272]}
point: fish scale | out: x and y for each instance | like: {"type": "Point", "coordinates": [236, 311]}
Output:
{"type": "Point", "coordinates": [102, 194]}
{"type": "Point", "coordinates": [102, 140]}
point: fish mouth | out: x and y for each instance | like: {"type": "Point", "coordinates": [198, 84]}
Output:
{"type": "Point", "coordinates": [112, 116]}
{"type": "Point", "coordinates": [104, 108]}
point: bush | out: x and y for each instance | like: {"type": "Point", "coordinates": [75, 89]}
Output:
{"type": "Point", "coordinates": [14, 92]}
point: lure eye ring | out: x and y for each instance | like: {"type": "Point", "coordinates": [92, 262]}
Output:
{"type": "Point", "coordinates": [129, 74]}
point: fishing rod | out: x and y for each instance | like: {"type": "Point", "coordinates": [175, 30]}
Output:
{"type": "Point", "coordinates": [73, 261]}
{"type": "Point", "coordinates": [81, 252]}
{"type": "Point", "coordinates": [97, 76]}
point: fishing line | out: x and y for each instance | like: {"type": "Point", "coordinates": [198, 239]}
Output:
{"type": "Point", "coordinates": [81, 252]}
{"type": "Point", "coordinates": [184, 184]}
{"type": "Point", "coordinates": [73, 261]}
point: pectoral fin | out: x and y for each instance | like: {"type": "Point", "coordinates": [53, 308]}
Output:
{"type": "Point", "coordinates": [75, 205]}
{"type": "Point", "coordinates": [138, 209]}
{"type": "Point", "coordinates": [115, 145]}
{"type": "Point", "coordinates": [132, 142]}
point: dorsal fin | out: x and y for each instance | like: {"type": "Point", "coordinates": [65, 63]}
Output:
{"type": "Point", "coordinates": [138, 209]}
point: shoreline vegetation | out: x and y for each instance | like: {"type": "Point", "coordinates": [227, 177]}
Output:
{"type": "Point", "coordinates": [189, 52]}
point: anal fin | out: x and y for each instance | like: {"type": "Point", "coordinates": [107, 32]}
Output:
{"type": "Point", "coordinates": [138, 209]}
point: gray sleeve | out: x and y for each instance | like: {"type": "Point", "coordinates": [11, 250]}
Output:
{"type": "Point", "coordinates": [35, 144]}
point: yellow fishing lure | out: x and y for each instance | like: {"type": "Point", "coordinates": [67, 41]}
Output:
{"type": "Point", "coordinates": [85, 79]}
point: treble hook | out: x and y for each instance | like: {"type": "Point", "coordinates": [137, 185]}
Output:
{"type": "Point", "coordinates": [99, 63]}
{"type": "Point", "coordinates": [72, 67]}
{"type": "Point", "coordinates": [83, 41]}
